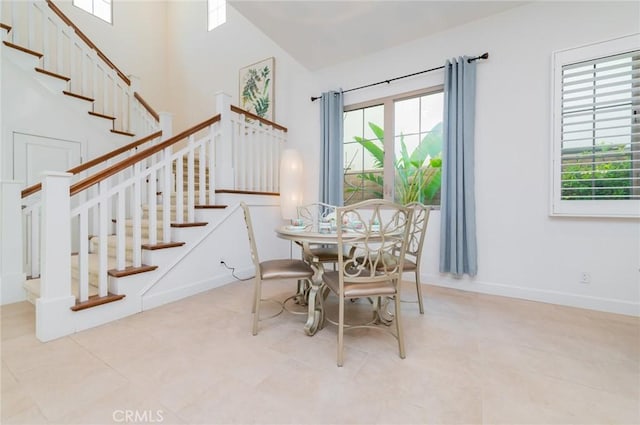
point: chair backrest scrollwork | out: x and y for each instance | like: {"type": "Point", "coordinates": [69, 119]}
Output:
{"type": "Point", "coordinates": [378, 240]}
{"type": "Point", "coordinates": [418, 230]}
{"type": "Point", "coordinates": [252, 241]}
{"type": "Point", "coordinates": [314, 213]}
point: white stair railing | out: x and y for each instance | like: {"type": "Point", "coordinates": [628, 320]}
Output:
{"type": "Point", "coordinates": [130, 191]}
{"type": "Point", "coordinates": [32, 205]}
{"type": "Point", "coordinates": [253, 144]}
{"type": "Point", "coordinates": [109, 204]}
{"type": "Point", "coordinates": [40, 26]}
{"type": "Point", "coordinates": [255, 149]}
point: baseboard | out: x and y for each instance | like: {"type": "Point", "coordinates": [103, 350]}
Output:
{"type": "Point", "coordinates": [175, 294]}
{"type": "Point", "coordinates": [552, 297]}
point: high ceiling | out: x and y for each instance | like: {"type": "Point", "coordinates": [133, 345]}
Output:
{"type": "Point", "coordinates": [323, 33]}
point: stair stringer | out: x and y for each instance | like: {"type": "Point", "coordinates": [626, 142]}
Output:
{"type": "Point", "coordinates": [198, 269]}
{"type": "Point", "coordinates": [133, 286]}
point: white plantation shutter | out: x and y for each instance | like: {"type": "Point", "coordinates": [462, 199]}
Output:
{"type": "Point", "coordinates": [597, 129]}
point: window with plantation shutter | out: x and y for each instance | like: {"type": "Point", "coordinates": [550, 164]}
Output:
{"type": "Point", "coordinates": [596, 130]}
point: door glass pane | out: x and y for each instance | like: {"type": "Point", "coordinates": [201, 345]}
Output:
{"type": "Point", "coordinates": [431, 108]}
{"type": "Point", "coordinates": [373, 117]}
{"type": "Point", "coordinates": [353, 122]}
{"type": "Point", "coordinates": [407, 120]}
{"type": "Point", "coordinates": [418, 149]}
{"type": "Point", "coordinates": [363, 154]}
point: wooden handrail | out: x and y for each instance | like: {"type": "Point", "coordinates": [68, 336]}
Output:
{"type": "Point", "coordinates": [256, 117]}
{"type": "Point", "coordinates": [31, 190]}
{"type": "Point", "coordinates": [87, 41]}
{"type": "Point", "coordinates": [146, 106]}
{"type": "Point", "coordinates": [126, 163]}
{"type": "Point", "coordinates": [85, 166]}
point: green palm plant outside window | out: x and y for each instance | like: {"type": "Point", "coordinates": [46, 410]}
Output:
{"type": "Point", "coordinates": [418, 174]}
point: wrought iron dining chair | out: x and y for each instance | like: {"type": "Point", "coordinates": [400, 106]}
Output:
{"type": "Point", "coordinates": [419, 221]}
{"type": "Point", "coordinates": [313, 215]}
{"type": "Point", "coordinates": [415, 242]}
{"type": "Point", "coordinates": [379, 241]}
{"type": "Point", "coordinates": [271, 270]}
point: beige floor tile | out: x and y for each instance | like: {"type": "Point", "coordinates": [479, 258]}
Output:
{"type": "Point", "coordinates": [234, 401]}
{"type": "Point", "coordinates": [24, 355]}
{"type": "Point", "coordinates": [319, 397]}
{"type": "Point", "coordinates": [17, 324]}
{"type": "Point", "coordinates": [58, 400]}
{"type": "Point", "coordinates": [31, 416]}
{"type": "Point", "coordinates": [517, 396]}
{"type": "Point", "coordinates": [15, 401]}
{"type": "Point", "coordinates": [607, 375]}
{"type": "Point", "coordinates": [471, 359]}
{"type": "Point", "coordinates": [128, 404]}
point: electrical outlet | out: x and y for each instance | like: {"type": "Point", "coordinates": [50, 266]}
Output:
{"type": "Point", "coordinates": [585, 277]}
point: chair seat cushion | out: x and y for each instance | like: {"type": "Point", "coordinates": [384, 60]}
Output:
{"type": "Point", "coordinates": [391, 261]}
{"type": "Point", "coordinates": [285, 269]}
{"type": "Point", "coordinates": [408, 266]}
{"type": "Point", "coordinates": [325, 254]}
{"type": "Point", "coordinates": [358, 289]}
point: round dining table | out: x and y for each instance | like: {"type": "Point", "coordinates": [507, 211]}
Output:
{"type": "Point", "coordinates": [306, 236]}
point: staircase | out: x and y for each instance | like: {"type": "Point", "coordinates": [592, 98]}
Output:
{"type": "Point", "coordinates": [32, 286]}
{"type": "Point", "coordinates": [108, 239]}
{"type": "Point", "coordinates": [43, 42]}
{"type": "Point", "coordinates": [138, 221]}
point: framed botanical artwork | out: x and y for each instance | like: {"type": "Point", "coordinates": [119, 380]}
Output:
{"type": "Point", "coordinates": [257, 88]}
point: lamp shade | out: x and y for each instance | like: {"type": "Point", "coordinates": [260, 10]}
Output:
{"type": "Point", "coordinates": [290, 183]}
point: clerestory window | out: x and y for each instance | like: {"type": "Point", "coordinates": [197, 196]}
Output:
{"type": "Point", "coordinates": [217, 13]}
{"type": "Point", "coordinates": [100, 8]}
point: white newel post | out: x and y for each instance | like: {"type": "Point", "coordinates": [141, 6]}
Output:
{"type": "Point", "coordinates": [53, 315]}
{"type": "Point", "coordinates": [136, 123]}
{"type": "Point", "coordinates": [224, 145]}
{"type": "Point", "coordinates": [12, 276]}
{"type": "Point", "coordinates": [166, 125]}
{"type": "Point", "coordinates": [165, 176]}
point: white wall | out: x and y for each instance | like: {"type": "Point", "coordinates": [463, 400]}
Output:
{"type": "Point", "coordinates": [136, 43]}
{"type": "Point", "coordinates": [33, 108]}
{"type": "Point", "coordinates": [204, 63]}
{"type": "Point", "coordinates": [522, 251]}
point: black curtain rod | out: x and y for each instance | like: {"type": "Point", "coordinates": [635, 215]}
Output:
{"type": "Point", "coordinates": [482, 56]}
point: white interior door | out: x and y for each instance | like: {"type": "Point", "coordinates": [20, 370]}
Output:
{"type": "Point", "coordinates": [32, 155]}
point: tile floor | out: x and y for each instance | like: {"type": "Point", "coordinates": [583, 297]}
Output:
{"type": "Point", "coordinates": [471, 359]}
